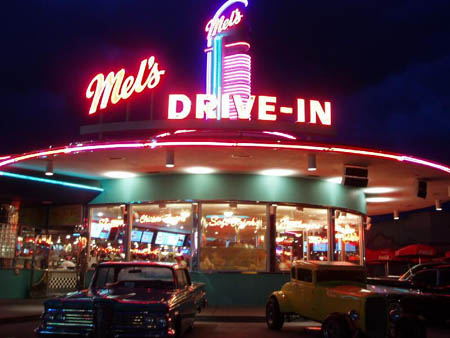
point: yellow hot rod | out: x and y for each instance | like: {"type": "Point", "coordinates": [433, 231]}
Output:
{"type": "Point", "coordinates": [335, 295]}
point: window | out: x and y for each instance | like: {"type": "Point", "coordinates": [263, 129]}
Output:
{"type": "Point", "coordinates": [301, 235]}
{"type": "Point", "coordinates": [347, 229]}
{"type": "Point", "coordinates": [181, 279]}
{"type": "Point", "coordinates": [162, 232]}
{"type": "Point", "coordinates": [304, 275]}
{"type": "Point", "coordinates": [444, 277]}
{"type": "Point", "coordinates": [341, 275]}
{"type": "Point", "coordinates": [107, 234]}
{"type": "Point", "coordinates": [233, 237]}
{"type": "Point", "coordinates": [426, 276]}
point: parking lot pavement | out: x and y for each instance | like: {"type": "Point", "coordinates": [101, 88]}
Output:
{"type": "Point", "coordinates": [222, 330]}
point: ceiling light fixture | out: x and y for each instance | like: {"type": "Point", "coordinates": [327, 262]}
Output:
{"type": "Point", "coordinates": [312, 165]}
{"type": "Point", "coordinates": [438, 206]}
{"type": "Point", "coordinates": [396, 216]}
{"type": "Point", "coordinates": [170, 158]}
{"type": "Point", "coordinates": [379, 199]}
{"type": "Point", "coordinates": [277, 172]}
{"type": "Point", "coordinates": [119, 174]}
{"type": "Point", "coordinates": [379, 190]}
{"type": "Point", "coordinates": [336, 179]}
{"type": "Point", "coordinates": [199, 170]}
{"type": "Point", "coordinates": [49, 168]}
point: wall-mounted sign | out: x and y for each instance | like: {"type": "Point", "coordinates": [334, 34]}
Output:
{"type": "Point", "coordinates": [168, 219]}
{"type": "Point", "coordinates": [263, 108]}
{"type": "Point", "coordinates": [113, 88]}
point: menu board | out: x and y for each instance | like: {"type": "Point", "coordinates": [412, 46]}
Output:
{"type": "Point", "coordinates": [136, 235]}
{"type": "Point", "coordinates": [100, 230]}
{"type": "Point", "coordinates": [320, 247]}
{"type": "Point", "coordinates": [348, 247]}
{"type": "Point", "coordinates": [167, 238]}
{"type": "Point", "coordinates": [147, 237]}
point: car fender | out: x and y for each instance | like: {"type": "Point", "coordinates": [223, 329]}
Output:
{"type": "Point", "coordinates": [283, 301]}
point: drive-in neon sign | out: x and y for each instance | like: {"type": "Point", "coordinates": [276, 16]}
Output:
{"type": "Point", "coordinates": [113, 88]}
{"type": "Point", "coordinates": [262, 108]}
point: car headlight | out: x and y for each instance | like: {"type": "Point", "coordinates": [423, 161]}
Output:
{"type": "Point", "coordinates": [353, 314]}
{"type": "Point", "coordinates": [50, 315]}
{"type": "Point", "coordinates": [161, 322]}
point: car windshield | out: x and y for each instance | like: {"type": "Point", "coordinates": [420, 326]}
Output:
{"type": "Point", "coordinates": [341, 275]}
{"type": "Point", "coordinates": [131, 276]}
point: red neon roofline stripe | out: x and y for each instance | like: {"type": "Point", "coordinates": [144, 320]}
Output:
{"type": "Point", "coordinates": [153, 144]}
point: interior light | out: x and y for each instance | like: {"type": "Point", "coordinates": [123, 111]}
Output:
{"type": "Point", "coordinates": [396, 216]}
{"type": "Point", "coordinates": [199, 170]}
{"type": "Point", "coordinates": [277, 172]}
{"type": "Point", "coordinates": [438, 206]}
{"type": "Point", "coordinates": [379, 190]}
{"type": "Point", "coordinates": [49, 168]}
{"type": "Point", "coordinates": [119, 174]}
{"type": "Point", "coordinates": [170, 158]}
{"type": "Point", "coordinates": [336, 179]}
{"type": "Point", "coordinates": [312, 165]}
{"type": "Point", "coordinates": [228, 213]}
{"type": "Point", "coordinates": [379, 199]}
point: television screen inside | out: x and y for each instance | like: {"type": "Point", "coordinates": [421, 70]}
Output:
{"type": "Point", "coordinates": [167, 238]}
{"type": "Point", "coordinates": [348, 247]}
{"type": "Point", "coordinates": [320, 247]}
{"type": "Point", "coordinates": [136, 236]}
{"type": "Point", "coordinates": [147, 237]}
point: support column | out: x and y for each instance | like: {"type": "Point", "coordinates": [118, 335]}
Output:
{"type": "Point", "coordinates": [128, 222]}
{"type": "Point", "coordinates": [330, 235]}
{"type": "Point", "coordinates": [271, 264]}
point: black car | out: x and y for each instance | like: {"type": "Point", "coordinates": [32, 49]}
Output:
{"type": "Point", "coordinates": [127, 299]}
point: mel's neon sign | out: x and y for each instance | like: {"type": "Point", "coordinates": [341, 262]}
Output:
{"type": "Point", "coordinates": [262, 108]}
{"type": "Point", "coordinates": [220, 24]}
{"type": "Point", "coordinates": [114, 88]}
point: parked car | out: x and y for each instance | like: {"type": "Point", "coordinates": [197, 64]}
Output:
{"type": "Point", "coordinates": [425, 290]}
{"type": "Point", "coordinates": [335, 295]}
{"type": "Point", "coordinates": [127, 299]}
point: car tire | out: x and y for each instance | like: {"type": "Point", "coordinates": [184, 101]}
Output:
{"type": "Point", "coordinates": [410, 328]}
{"type": "Point", "coordinates": [336, 326]}
{"type": "Point", "coordinates": [274, 318]}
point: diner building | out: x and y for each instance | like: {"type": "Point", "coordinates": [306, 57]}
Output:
{"type": "Point", "coordinates": [235, 194]}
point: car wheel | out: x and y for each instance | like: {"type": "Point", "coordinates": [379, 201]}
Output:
{"type": "Point", "coordinates": [410, 328]}
{"type": "Point", "coordinates": [335, 326]}
{"type": "Point", "coordinates": [274, 318]}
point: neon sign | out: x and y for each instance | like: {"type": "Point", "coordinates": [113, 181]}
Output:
{"type": "Point", "coordinates": [218, 25]}
{"type": "Point", "coordinates": [166, 219]}
{"type": "Point", "coordinates": [113, 88]}
{"type": "Point", "coordinates": [180, 107]}
{"type": "Point", "coordinates": [234, 221]}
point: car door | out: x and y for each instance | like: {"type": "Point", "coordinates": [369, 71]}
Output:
{"type": "Point", "coordinates": [304, 293]}
{"type": "Point", "coordinates": [186, 303]}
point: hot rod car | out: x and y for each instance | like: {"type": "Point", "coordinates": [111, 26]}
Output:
{"type": "Point", "coordinates": [127, 299]}
{"type": "Point", "coordinates": [335, 295]}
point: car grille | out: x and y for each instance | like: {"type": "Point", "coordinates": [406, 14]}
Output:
{"type": "Point", "coordinates": [78, 317]}
{"type": "Point", "coordinates": [135, 319]}
{"type": "Point", "coordinates": [376, 317]}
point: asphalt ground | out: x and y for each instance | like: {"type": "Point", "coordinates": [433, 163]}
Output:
{"type": "Point", "coordinates": [223, 330]}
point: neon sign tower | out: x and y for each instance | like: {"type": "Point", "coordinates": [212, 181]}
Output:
{"type": "Point", "coordinates": [228, 64]}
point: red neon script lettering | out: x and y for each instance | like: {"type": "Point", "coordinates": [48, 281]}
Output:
{"type": "Point", "coordinates": [219, 25]}
{"type": "Point", "coordinates": [114, 87]}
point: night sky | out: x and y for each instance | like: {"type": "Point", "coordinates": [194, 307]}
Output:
{"type": "Point", "coordinates": [384, 65]}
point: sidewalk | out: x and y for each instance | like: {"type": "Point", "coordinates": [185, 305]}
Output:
{"type": "Point", "coordinates": [24, 310]}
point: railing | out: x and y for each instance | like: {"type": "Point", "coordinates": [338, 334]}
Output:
{"type": "Point", "coordinates": [56, 282]}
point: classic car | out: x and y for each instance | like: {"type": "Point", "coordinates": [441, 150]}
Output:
{"type": "Point", "coordinates": [335, 295]}
{"type": "Point", "coordinates": [127, 299]}
{"type": "Point", "coordinates": [424, 290]}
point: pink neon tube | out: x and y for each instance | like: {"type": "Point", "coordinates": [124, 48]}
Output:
{"type": "Point", "coordinates": [221, 144]}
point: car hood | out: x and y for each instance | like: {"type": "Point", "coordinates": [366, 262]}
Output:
{"type": "Point", "coordinates": [355, 291]}
{"type": "Point", "coordinates": [85, 299]}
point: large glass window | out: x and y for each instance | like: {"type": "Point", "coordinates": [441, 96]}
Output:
{"type": "Point", "coordinates": [233, 237]}
{"type": "Point", "coordinates": [162, 232]}
{"type": "Point", "coordinates": [107, 234]}
{"type": "Point", "coordinates": [301, 235]}
{"type": "Point", "coordinates": [347, 229]}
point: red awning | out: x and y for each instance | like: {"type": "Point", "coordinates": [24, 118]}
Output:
{"type": "Point", "coordinates": [417, 250]}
